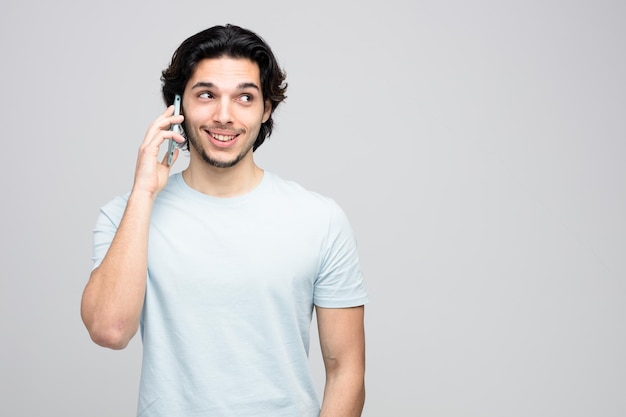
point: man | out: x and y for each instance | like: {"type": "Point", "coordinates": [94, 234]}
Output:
{"type": "Point", "coordinates": [222, 265]}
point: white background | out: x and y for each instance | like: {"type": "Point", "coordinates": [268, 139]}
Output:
{"type": "Point", "coordinates": [478, 148]}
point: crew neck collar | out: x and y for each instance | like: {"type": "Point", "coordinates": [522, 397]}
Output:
{"type": "Point", "coordinates": [182, 185]}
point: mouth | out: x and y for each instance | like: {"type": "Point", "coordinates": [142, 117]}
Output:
{"type": "Point", "coordinates": [223, 136]}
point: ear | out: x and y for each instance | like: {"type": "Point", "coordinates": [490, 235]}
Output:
{"type": "Point", "coordinates": [268, 111]}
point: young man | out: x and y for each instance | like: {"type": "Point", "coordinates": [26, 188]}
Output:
{"type": "Point", "coordinates": [222, 265]}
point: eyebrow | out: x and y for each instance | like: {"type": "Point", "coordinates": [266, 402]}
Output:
{"type": "Point", "coordinates": [241, 86]}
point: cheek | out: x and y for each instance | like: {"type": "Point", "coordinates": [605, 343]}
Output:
{"type": "Point", "coordinates": [250, 119]}
{"type": "Point", "coordinates": [193, 119]}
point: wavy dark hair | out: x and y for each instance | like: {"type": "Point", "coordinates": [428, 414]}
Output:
{"type": "Point", "coordinates": [227, 41]}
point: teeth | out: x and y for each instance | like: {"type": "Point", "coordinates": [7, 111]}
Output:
{"type": "Point", "coordinates": [223, 138]}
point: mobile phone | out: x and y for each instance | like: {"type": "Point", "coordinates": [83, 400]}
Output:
{"type": "Point", "coordinates": [176, 128]}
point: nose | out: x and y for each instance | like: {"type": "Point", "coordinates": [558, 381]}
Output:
{"type": "Point", "coordinates": [223, 111]}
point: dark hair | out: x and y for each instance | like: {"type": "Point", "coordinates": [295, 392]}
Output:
{"type": "Point", "coordinates": [234, 42]}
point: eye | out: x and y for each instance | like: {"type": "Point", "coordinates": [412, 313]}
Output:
{"type": "Point", "coordinates": [246, 98]}
{"type": "Point", "coordinates": [205, 95]}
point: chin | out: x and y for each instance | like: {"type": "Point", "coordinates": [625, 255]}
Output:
{"type": "Point", "coordinates": [218, 163]}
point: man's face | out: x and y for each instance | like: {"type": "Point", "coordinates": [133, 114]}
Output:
{"type": "Point", "coordinates": [224, 109]}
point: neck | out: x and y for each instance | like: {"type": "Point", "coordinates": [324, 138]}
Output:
{"type": "Point", "coordinates": [223, 182]}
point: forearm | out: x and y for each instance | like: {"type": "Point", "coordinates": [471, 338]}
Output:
{"type": "Point", "coordinates": [113, 298]}
{"type": "Point", "coordinates": [342, 339]}
{"type": "Point", "coordinates": [344, 393]}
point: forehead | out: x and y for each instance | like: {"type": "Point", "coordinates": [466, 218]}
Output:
{"type": "Point", "coordinates": [226, 72]}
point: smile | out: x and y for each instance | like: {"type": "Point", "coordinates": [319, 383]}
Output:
{"type": "Point", "coordinates": [223, 138]}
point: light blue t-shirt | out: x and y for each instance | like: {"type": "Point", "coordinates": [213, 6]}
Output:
{"type": "Point", "coordinates": [230, 293]}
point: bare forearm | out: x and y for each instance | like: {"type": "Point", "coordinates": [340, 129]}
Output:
{"type": "Point", "coordinates": [342, 339]}
{"type": "Point", "coordinates": [113, 298]}
{"type": "Point", "coordinates": [344, 395]}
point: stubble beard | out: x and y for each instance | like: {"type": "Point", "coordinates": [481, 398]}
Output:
{"type": "Point", "coordinates": [195, 143]}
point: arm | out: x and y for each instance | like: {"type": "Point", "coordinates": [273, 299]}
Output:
{"type": "Point", "coordinates": [342, 340]}
{"type": "Point", "coordinates": [113, 298]}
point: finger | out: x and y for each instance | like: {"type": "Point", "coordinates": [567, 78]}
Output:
{"type": "Point", "coordinates": [159, 132]}
{"type": "Point", "coordinates": [169, 112]}
{"type": "Point", "coordinates": [150, 149]}
{"type": "Point", "coordinates": [169, 117]}
{"type": "Point", "coordinates": [162, 123]}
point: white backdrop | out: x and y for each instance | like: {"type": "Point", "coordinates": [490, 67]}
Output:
{"type": "Point", "coordinates": [478, 148]}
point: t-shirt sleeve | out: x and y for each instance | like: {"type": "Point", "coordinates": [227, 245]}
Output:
{"type": "Point", "coordinates": [107, 222]}
{"type": "Point", "coordinates": [340, 283]}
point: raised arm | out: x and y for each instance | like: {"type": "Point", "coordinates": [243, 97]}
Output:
{"type": "Point", "coordinates": [342, 340]}
{"type": "Point", "coordinates": [113, 297]}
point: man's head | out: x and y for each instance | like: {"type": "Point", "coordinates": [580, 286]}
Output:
{"type": "Point", "coordinates": [233, 42]}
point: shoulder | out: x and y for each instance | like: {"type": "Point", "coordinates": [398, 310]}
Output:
{"type": "Point", "coordinates": [318, 210]}
{"type": "Point", "coordinates": [296, 193]}
{"type": "Point", "coordinates": [113, 210]}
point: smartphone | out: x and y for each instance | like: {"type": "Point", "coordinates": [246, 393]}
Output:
{"type": "Point", "coordinates": [176, 128]}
